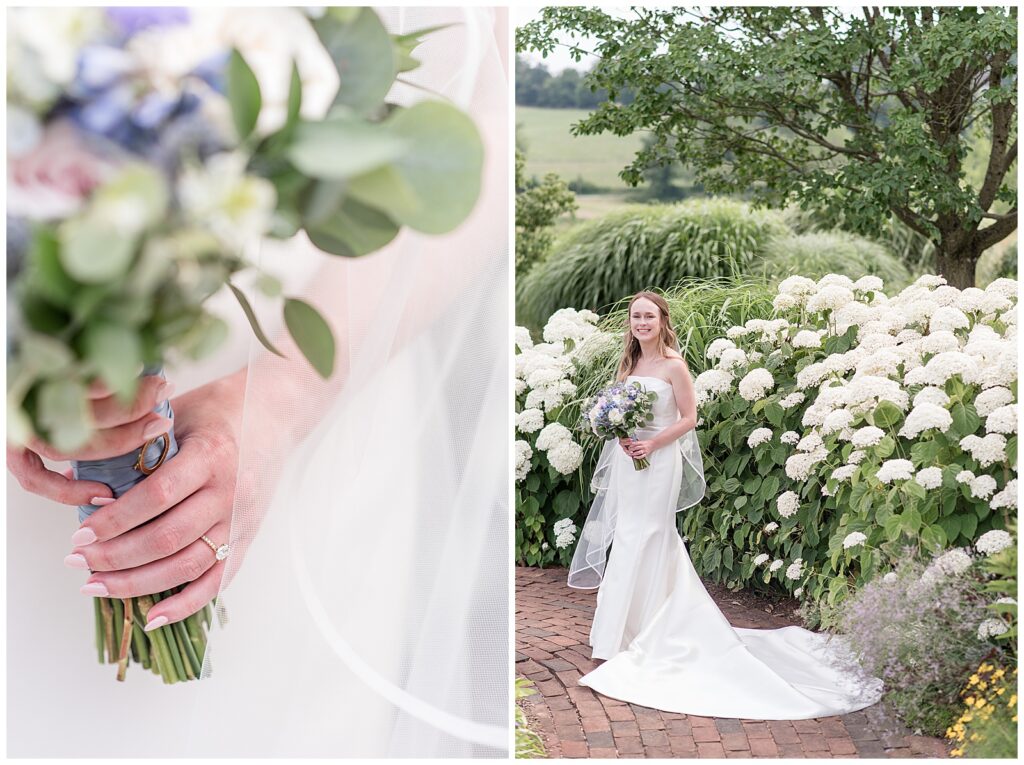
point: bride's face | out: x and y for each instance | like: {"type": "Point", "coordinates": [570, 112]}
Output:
{"type": "Point", "coordinates": [644, 320]}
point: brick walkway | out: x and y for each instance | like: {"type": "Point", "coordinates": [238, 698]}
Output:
{"type": "Point", "coordinates": [552, 626]}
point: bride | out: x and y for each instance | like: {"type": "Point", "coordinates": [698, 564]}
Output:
{"type": "Point", "coordinates": [666, 643]}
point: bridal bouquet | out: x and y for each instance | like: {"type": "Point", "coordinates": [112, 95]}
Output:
{"type": "Point", "coordinates": [148, 150]}
{"type": "Point", "coordinates": [618, 411]}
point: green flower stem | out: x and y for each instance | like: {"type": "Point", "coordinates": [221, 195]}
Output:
{"type": "Point", "coordinates": [196, 636]}
{"type": "Point", "coordinates": [185, 662]}
{"type": "Point", "coordinates": [160, 647]}
{"type": "Point", "coordinates": [108, 627]}
{"type": "Point", "coordinates": [140, 643]}
{"type": "Point", "coordinates": [100, 644]}
{"type": "Point", "coordinates": [126, 638]}
{"type": "Point", "coordinates": [188, 650]}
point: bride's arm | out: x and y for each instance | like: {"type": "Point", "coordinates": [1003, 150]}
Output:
{"type": "Point", "coordinates": [686, 401]}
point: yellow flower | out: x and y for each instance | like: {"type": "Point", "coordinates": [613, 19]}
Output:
{"type": "Point", "coordinates": [975, 737]}
{"type": "Point", "coordinates": [981, 703]}
{"type": "Point", "coordinates": [1012, 701]}
{"type": "Point", "coordinates": [969, 701]}
{"type": "Point", "coordinates": [1000, 691]}
{"type": "Point", "coordinates": [973, 680]}
{"type": "Point", "coordinates": [956, 753]}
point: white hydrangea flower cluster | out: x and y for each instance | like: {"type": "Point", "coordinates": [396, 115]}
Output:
{"type": "Point", "coordinates": [759, 436]}
{"type": "Point", "coordinates": [795, 569]}
{"type": "Point", "coordinates": [788, 503]}
{"type": "Point", "coordinates": [565, 533]}
{"type": "Point", "coordinates": [524, 453]}
{"type": "Point", "coordinates": [993, 541]}
{"type": "Point", "coordinates": [854, 539]}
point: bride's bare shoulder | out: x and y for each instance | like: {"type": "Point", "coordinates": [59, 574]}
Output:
{"type": "Point", "coordinates": [675, 365]}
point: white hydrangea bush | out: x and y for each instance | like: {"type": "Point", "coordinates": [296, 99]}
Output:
{"type": "Point", "coordinates": [860, 423]}
{"type": "Point", "coordinates": [547, 453]}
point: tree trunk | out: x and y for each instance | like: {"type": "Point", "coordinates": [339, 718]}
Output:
{"type": "Point", "coordinates": [957, 266]}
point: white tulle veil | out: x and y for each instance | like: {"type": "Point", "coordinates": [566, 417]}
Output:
{"type": "Point", "coordinates": [591, 555]}
{"type": "Point", "coordinates": [369, 614]}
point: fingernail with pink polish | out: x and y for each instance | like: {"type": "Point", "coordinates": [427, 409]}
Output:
{"type": "Point", "coordinates": [157, 427]}
{"type": "Point", "coordinates": [156, 623]}
{"type": "Point", "coordinates": [101, 501]}
{"type": "Point", "coordinates": [165, 392]}
{"type": "Point", "coordinates": [84, 536]}
{"type": "Point", "coordinates": [94, 588]}
{"type": "Point", "coordinates": [76, 561]}
{"type": "Point", "coordinates": [69, 474]}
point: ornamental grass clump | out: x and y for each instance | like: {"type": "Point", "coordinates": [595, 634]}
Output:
{"type": "Point", "coordinates": [892, 418]}
{"type": "Point", "coordinates": [916, 628]}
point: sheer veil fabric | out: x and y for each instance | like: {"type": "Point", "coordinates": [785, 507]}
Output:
{"type": "Point", "coordinates": [369, 616]}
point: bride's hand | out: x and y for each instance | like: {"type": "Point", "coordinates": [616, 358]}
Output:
{"type": "Point", "coordinates": [642, 449]}
{"type": "Point", "coordinates": [120, 428]}
{"type": "Point", "coordinates": [148, 540]}
{"type": "Point", "coordinates": [627, 445]}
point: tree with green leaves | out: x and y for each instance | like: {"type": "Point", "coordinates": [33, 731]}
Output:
{"type": "Point", "coordinates": [865, 115]}
{"type": "Point", "coordinates": [538, 205]}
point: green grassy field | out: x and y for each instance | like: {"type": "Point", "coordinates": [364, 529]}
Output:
{"type": "Point", "coordinates": [551, 148]}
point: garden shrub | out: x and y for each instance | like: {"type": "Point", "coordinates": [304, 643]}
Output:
{"type": "Point", "coordinates": [817, 253]}
{"type": "Point", "coordinates": [597, 262]}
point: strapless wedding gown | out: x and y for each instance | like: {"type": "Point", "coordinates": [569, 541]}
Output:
{"type": "Point", "coordinates": [667, 644]}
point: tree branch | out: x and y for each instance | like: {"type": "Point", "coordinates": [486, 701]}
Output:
{"type": "Point", "coordinates": [997, 232]}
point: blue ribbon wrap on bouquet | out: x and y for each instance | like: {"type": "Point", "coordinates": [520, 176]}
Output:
{"type": "Point", "coordinates": [120, 473]}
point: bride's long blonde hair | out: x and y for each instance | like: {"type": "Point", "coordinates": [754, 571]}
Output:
{"type": "Point", "coordinates": [631, 346]}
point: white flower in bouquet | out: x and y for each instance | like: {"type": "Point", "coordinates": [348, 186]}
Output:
{"type": "Point", "coordinates": [1007, 497]}
{"type": "Point", "coordinates": [965, 476]}
{"type": "Point", "coordinates": [529, 420]}
{"type": "Point", "coordinates": [711, 382]}
{"type": "Point", "coordinates": [732, 358]}
{"type": "Point", "coordinates": [993, 541]}
{"type": "Point", "coordinates": [991, 628]}
{"type": "Point", "coordinates": [949, 318]}
{"type": "Point", "coordinates": [220, 195]}
{"type": "Point", "coordinates": [771, 528]}
{"type": "Point", "coordinates": [759, 436]}
{"type": "Point", "coordinates": [869, 435]}
{"type": "Point", "coordinates": [926, 417]}
{"type": "Point", "coordinates": [797, 285]}
{"type": "Point", "coordinates": [565, 533]}
{"type": "Point", "coordinates": [987, 450]}
{"type": "Point", "coordinates": [776, 565]}
{"type": "Point", "coordinates": [761, 559]}
{"type": "Point", "coordinates": [983, 487]}
{"type": "Point", "coordinates": [523, 340]}
{"type": "Point", "coordinates": [718, 347]}
{"type": "Point", "coordinates": [895, 470]}
{"type": "Point", "coordinates": [793, 399]}
{"type": "Point", "coordinates": [756, 384]}
{"type": "Point", "coordinates": [523, 456]}
{"type": "Point", "coordinates": [810, 443]}
{"type": "Point", "coordinates": [1002, 420]}
{"type": "Point", "coordinates": [795, 569]}
{"type": "Point", "coordinates": [565, 456]}
{"type": "Point", "coordinates": [854, 539]}
{"type": "Point", "coordinates": [931, 395]}
{"type": "Point", "coordinates": [788, 503]}
{"type": "Point", "coordinates": [807, 338]}
{"type": "Point", "coordinates": [929, 477]}
{"type": "Point", "coordinates": [799, 466]}
{"type": "Point", "coordinates": [615, 417]}
{"type": "Point", "coordinates": [554, 433]}
{"type": "Point", "coordinates": [856, 457]}
{"type": "Point", "coordinates": [991, 399]}
{"type": "Point", "coordinates": [790, 437]}
{"type": "Point", "coordinates": [844, 472]}
{"type": "Point", "coordinates": [43, 45]}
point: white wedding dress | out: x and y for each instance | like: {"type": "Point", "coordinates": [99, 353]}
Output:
{"type": "Point", "coordinates": [667, 645]}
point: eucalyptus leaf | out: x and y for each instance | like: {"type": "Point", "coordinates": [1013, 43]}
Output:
{"type": "Point", "coordinates": [243, 95]}
{"type": "Point", "coordinates": [116, 353]}
{"type": "Point", "coordinates": [254, 322]}
{"type": "Point", "coordinates": [64, 413]}
{"type": "Point", "coordinates": [343, 147]}
{"type": "Point", "coordinates": [311, 334]}
{"type": "Point", "coordinates": [363, 54]}
{"type": "Point", "coordinates": [353, 229]}
{"type": "Point", "coordinates": [94, 252]}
